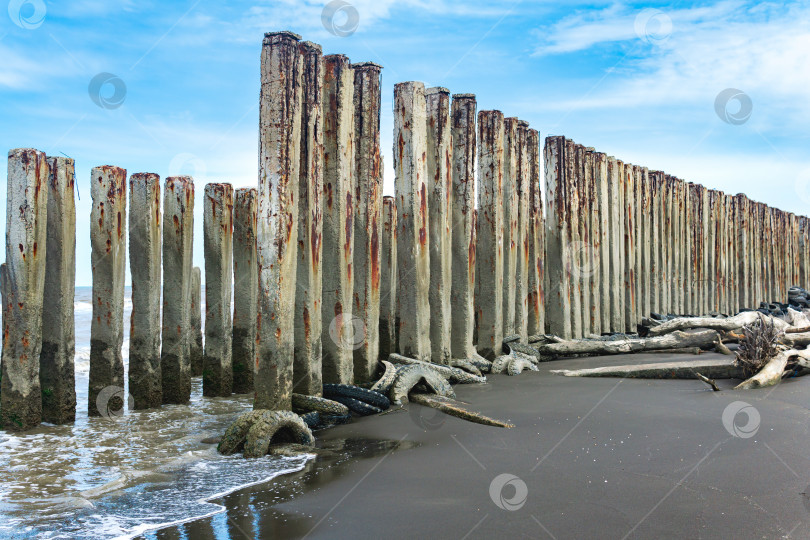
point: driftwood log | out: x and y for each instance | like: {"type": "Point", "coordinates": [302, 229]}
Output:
{"type": "Point", "coordinates": [728, 324]}
{"type": "Point", "coordinates": [674, 340]}
{"type": "Point", "coordinates": [455, 408]}
{"type": "Point", "coordinates": [768, 375]}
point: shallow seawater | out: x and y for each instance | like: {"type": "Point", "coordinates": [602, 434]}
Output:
{"type": "Point", "coordinates": [123, 475]}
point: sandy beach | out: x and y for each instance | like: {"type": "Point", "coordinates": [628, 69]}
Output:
{"type": "Point", "coordinates": [588, 458]}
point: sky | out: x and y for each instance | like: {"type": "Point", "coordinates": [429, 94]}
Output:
{"type": "Point", "coordinates": [711, 92]}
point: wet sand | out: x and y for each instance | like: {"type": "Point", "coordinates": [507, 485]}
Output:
{"type": "Point", "coordinates": [599, 458]}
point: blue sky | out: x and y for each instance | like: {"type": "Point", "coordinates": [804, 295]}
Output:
{"type": "Point", "coordinates": [635, 80]}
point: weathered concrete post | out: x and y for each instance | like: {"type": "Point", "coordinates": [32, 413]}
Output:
{"type": "Point", "coordinates": [523, 230]}
{"type": "Point", "coordinates": [602, 188]}
{"type": "Point", "coordinates": [56, 364]}
{"type": "Point", "coordinates": [462, 204]}
{"type": "Point", "coordinates": [592, 273]}
{"type": "Point", "coordinates": [338, 228]}
{"type": "Point", "coordinates": [629, 249]}
{"type": "Point", "coordinates": [195, 341]}
{"type": "Point", "coordinates": [22, 280]}
{"type": "Point", "coordinates": [616, 240]}
{"type": "Point", "coordinates": [245, 289]}
{"type": "Point", "coordinates": [388, 280]}
{"type": "Point", "coordinates": [413, 241]}
{"type": "Point", "coordinates": [639, 244]}
{"type": "Point", "coordinates": [218, 246]}
{"type": "Point", "coordinates": [804, 251]}
{"type": "Point", "coordinates": [440, 186]}
{"type": "Point", "coordinates": [108, 220]}
{"type": "Point", "coordinates": [645, 242]}
{"type": "Point", "coordinates": [655, 244]}
{"type": "Point", "coordinates": [510, 222]}
{"type": "Point", "coordinates": [367, 218]}
{"type": "Point", "coordinates": [681, 259]}
{"type": "Point", "coordinates": [713, 197]}
{"type": "Point", "coordinates": [573, 264]}
{"type": "Point", "coordinates": [556, 282]}
{"type": "Point", "coordinates": [307, 371]}
{"type": "Point", "coordinates": [277, 233]}
{"type": "Point", "coordinates": [490, 243]}
{"type": "Point", "coordinates": [537, 243]}
{"type": "Point", "coordinates": [176, 333]}
{"type": "Point", "coordinates": [145, 266]}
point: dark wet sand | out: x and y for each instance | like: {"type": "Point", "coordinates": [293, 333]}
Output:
{"type": "Point", "coordinates": [600, 458]}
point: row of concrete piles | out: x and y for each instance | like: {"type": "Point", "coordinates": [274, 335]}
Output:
{"type": "Point", "coordinates": [623, 242]}
{"type": "Point", "coordinates": [166, 345]}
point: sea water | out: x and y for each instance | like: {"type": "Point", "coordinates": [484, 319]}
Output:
{"type": "Point", "coordinates": [123, 475]}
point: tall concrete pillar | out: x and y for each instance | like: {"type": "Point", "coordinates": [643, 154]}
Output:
{"type": "Point", "coordinates": [56, 365]}
{"type": "Point", "coordinates": [307, 367]}
{"type": "Point", "coordinates": [176, 330]}
{"type": "Point", "coordinates": [705, 247]}
{"type": "Point", "coordinates": [683, 255]}
{"type": "Point", "coordinates": [537, 243]}
{"type": "Point", "coordinates": [108, 220]}
{"type": "Point", "coordinates": [245, 289]}
{"type": "Point", "coordinates": [338, 238]}
{"type": "Point", "coordinates": [523, 230]}
{"type": "Point", "coordinates": [367, 218]}
{"type": "Point", "coordinates": [594, 241]}
{"type": "Point", "coordinates": [804, 252]}
{"type": "Point", "coordinates": [655, 243]}
{"type": "Point", "coordinates": [413, 240]}
{"type": "Point", "coordinates": [713, 197]}
{"type": "Point", "coordinates": [645, 241]}
{"type": "Point", "coordinates": [440, 185]}
{"type": "Point", "coordinates": [388, 280]}
{"type": "Point", "coordinates": [462, 205]}
{"type": "Point", "coordinates": [195, 340]}
{"type": "Point", "coordinates": [688, 246]}
{"type": "Point", "coordinates": [629, 249]}
{"type": "Point", "coordinates": [277, 232]}
{"type": "Point", "coordinates": [673, 267]}
{"type": "Point", "coordinates": [635, 178]}
{"type": "Point", "coordinates": [145, 246]}
{"type": "Point", "coordinates": [582, 262]}
{"type": "Point", "coordinates": [22, 281]}
{"type": "Point", "coordinates": [573, 177]}
{"type": "Point", "coordinates": [218, 248]}
{"type": "Point", "coordinates": [556, 282]}
{"type": "Point", "coordinates": [667, 247]}
{"type": "Point", "coordinates": [616, 239]}
{"type": "Point", "coordinates": [602, 188]}
{"type": "Point", "coordinates": [510, 222]}
{"type": "Point", "coordinates": [490, 245]}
